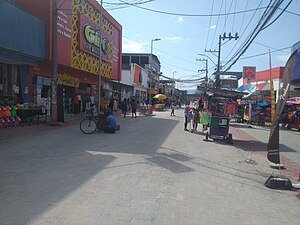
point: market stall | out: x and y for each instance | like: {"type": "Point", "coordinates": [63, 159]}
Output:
{"type": "Point", "coordinates": [222, 106]}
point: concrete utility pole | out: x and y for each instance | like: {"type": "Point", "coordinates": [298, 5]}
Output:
{"type": "Point", "coordinates": [54, 65]}
{"type": "Point", "coordinates": [218, 81]}
{"type": "Point", "coordinates": [218, 72]}
{"type": "Point", "coordinates": [206, 72]}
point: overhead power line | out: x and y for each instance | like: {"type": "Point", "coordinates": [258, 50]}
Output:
{"type": "Point", "coordinates": [188, 15]}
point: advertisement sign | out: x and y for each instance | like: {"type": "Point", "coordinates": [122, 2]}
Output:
{"type": "Point", "coordinates": [138, 78]}
{"type": "Point", "coordinates": [249, 72]}
{"type": "Point", "coordinates": [89, 42]}
{"type": "Point", "coordinates": [89, 39]}
{"type": "Point", "coordinates": [64, 32]}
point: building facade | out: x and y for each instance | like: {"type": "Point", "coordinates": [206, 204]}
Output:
{"type": "Point", "coordinates": [19, 49]}
{"type": "Point", "coordinates": [150, 64]}
{"type": "Point", "coordinates": [78, 48]}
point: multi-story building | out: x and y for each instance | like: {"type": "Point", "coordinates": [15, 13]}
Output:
{"type": "Point", "coordinates": [150, 64]}
{"type": "Point", "coordinates": [26, 32]}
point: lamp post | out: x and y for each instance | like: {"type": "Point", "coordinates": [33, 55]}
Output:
{"type": "Point", "coordinates": [173, 85]}
{"type": "Point", "coordinates": [150, 77]}
{"type": "Point", "coordinates": [100, 60]}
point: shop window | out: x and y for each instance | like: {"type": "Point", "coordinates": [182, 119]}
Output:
{"type": "Point", "coordinates": [45, 91]}
{"type": "Point", "coordinates": [9, 88]}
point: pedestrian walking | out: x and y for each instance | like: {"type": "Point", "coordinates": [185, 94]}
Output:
{"type": "Point", "coordinates": [133, 108]}
{"type": "Point", "coordinates": [115, 105]}
{"type": "Point", "coordinates": [172, 109]}
{"type": "Point", "coordinates": [111, 104]}
{"type": "Point", "coordinates": [124, 107]}
{"type": "Point", "coordinates": [186, 115]}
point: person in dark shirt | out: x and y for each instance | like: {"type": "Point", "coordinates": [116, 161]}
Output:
{"type": "Point", "coordinates": [134, 106]}
{"type": "Point", "coordinates": [124, 107]}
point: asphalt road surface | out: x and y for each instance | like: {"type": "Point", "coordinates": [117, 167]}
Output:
{"type": "Point", "coordinates": [289, 144]}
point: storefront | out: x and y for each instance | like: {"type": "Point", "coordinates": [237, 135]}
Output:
{"type": "Point", "coordinates": [78, 45]}
{"type": "Point", "coordinates": [18, 49]}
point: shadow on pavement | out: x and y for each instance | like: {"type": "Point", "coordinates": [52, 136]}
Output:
{"type": "Point", "coordinates": [39, 171]}
{"type": "Point", "coordinates": [168, 164]}
{"type": "Point", "coordinates": [284, 148]}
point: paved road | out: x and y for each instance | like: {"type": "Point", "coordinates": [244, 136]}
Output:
{"type": "Point", "coordinates": [149, 172]}
{"type": "Point", "coordinates": [289, 140]}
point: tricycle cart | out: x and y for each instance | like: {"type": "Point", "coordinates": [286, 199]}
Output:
{"type": "Point", "coordinates": [219, 127]}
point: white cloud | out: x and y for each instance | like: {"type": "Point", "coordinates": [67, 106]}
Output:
{"type": "Point", "coordinates": [283, 58]}
{"type": "Point", "coordinates": [130, 46]}
{"type": "Point", "coordinates": [180, 19]}
{"type": "Point", "coordinates": [174, 39]}
{"type": "Point", "coordinates": [211, 27]}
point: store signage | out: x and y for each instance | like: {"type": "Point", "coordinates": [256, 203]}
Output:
{"type": "Point", "coordinates": [92, 43]}
{"type": "Point", "coordinates": [67, 80]}
{"type": "Point", "coordinates": [249, 72]}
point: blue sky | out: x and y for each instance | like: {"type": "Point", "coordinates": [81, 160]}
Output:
{"type": "Point", "coordinates": [183, 37]}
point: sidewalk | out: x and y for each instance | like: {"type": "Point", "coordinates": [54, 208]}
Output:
{"type": "Point", "coordinates": [248, 143]}
{"type": "Point", "coordinates": [34, 128]}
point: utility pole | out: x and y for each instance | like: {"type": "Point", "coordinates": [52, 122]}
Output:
{"type": "Point", "coordinates": [218, 72]}
{"type": "Point", "coordinates": [54, 65]}
{"type": "Point", "coordinates": [206, 72]}
{"type": "Point", "coordinates": [218, 65]}
{"type": "Point", "coordinates": [100, 60]}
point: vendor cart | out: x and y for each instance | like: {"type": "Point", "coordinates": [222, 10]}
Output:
{"type": "Point", "coordinates": [219, 127]}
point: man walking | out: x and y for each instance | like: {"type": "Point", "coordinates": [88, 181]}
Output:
{"type": "Point", "coordinates": [133, 108]}
{"type": "Point", "coordinates": [124, 107]}
{"type": "Point", "coordinates": [172, 106]}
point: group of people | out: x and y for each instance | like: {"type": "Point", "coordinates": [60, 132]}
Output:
{"type": "Point", "coordinates": [125, 106]}
{"type": "Point", "coordinates": [191, 115]}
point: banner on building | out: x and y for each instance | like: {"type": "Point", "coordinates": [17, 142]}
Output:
{"type": "Point", "coordinates": [67, 80]}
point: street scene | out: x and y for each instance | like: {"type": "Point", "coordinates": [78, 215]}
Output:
{"type": "Point", "coordinates": [136, 176]}
{"type": "Point", "coordinates": [149, 112]}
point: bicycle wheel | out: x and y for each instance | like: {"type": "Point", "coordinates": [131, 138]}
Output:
{"type": "Point", "coordinates": [88, 125]}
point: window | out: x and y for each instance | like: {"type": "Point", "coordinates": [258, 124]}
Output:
{"type": "Point", "coordinates": [125, 59]}
{"type": "Point", "coordinates": [144, 60]}
{"type": "Point", "coordinates": [135, 59]}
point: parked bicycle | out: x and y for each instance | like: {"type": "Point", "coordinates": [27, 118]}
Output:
{"type": "Point", "coordinates": [93, 121]}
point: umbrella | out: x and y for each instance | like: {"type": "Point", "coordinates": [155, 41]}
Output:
{"type": "Point", "coordinates": [160, 96]}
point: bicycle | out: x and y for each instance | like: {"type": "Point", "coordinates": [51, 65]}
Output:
{"type": "Point", "coordinates": [92, 123]}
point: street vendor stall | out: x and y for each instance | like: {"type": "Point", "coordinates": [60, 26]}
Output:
{"type": "Point", "coordinates": [159, 103]}
{"type": "Point", "coordinates": [221, 106]}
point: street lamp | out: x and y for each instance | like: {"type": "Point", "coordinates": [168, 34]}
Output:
{"type": "Point", "coordinates": [156, 39]}
{"type": "Point", "coordinates": [173, 85]}
{"type": "Point", "coordinates": [209, 59]}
